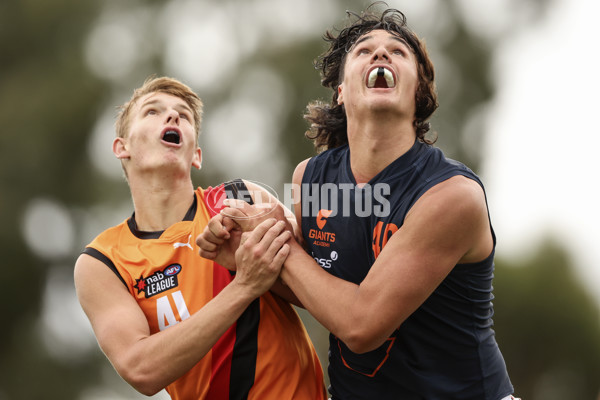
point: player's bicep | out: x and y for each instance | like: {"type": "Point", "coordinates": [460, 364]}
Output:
{"type": "Point", "coordinates": [117, 320]}
{"type": "Point", "coordinates": [422, 252]}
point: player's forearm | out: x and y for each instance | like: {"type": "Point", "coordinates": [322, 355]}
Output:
{"type": "Point", "coordinates": [157, 360]}
{"type": "Point", "coordinates": [342, 307]}
{"type": "Point", "coordinates": [282, 290]}
{"type": "Point", "coordinates": [328, 298]}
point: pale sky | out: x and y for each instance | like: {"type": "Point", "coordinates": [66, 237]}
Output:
{"type": "Point", "coordinates": [542, 140]}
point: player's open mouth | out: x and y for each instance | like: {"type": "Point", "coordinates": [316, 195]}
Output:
{"type": "Point", "coordinates": [171, 136]}
{"type": "Point", "coordinates": [381, 77]}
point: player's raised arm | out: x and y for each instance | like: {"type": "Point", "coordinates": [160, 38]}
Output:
{"type": "Point", "coordinates": [150, 362]}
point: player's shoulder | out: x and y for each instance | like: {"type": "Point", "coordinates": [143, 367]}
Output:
{"type": "Point", "coordinates": [299, 170]}
{"type": "Point", "coordinates": [91, 267]}
{"type": "Point", "coordinates": [458, 195]}
{"type": "Point", "coordinates": [458, 185]}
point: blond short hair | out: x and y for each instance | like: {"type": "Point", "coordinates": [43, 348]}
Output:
{"type": "Point", "coordinates": [166, 85]}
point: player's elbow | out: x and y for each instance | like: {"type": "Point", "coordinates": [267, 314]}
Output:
{"type": "Point", "coordinates": [368, 331]}
{"type": "Point", "coordinates": [365, 329]}
{"type": "Point", "coordinates": [143, 384]}
{"type": "Point", "coordinates": [147, 389]}
{"type": "Point", "coordinates": [360, 346]}
{"type": "Point", "coordinates": [139, 379]}
{"type": "Point", "coordinates": [362, 340]}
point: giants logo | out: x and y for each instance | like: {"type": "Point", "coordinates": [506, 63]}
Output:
{"type": "Point", "coordinates": [323, 239]}
{"type": "Point", "coordinates": [158, 282]}
{"type": "Point", "coordinates": [322, 217]}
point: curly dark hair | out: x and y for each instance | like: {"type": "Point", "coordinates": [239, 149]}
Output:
{"type": "Point", "coordinates": [328, 121]}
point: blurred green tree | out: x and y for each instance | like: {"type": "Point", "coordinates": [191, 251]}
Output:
{"type": "Point", "coordinates": [50, 102]}
{"type": "Point", "coordinates": [548, 326]}
{"type": "Point", "coordinates": [47, 104]}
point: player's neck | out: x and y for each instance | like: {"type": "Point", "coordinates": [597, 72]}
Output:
{"type": "Point", "coordinates": [376, 144]}
{"type": "Point", "coordinates": [160, 203]}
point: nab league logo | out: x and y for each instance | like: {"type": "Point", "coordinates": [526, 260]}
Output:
{"type": "Point", "coordinates": [159, 281]}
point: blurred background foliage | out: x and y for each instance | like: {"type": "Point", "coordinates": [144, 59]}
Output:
{"type": "Point", "coordinates": [66, 64]}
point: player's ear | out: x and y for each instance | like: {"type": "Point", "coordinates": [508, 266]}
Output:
{"type": "Point", "coordinates": [340, 99]}
{"type": "Point", "coordinates": [197, 160]}
{"type": "Point", "coordinates": [120, 148]}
